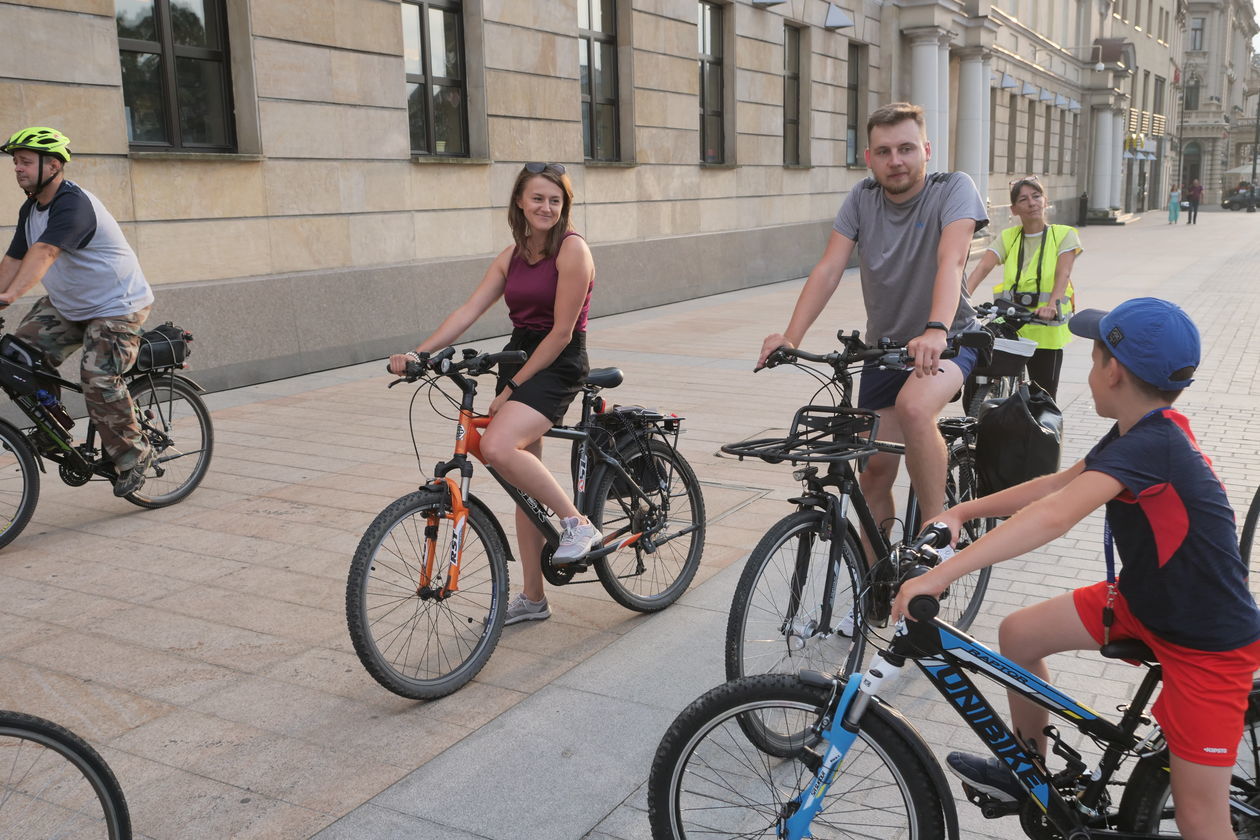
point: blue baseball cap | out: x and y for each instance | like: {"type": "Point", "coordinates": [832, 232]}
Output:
{"type": "Point", "coordinates": [1153, 338]}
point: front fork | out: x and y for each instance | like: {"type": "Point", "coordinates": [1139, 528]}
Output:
{"type": "Point", "coordinates": [429, 584]}
{"type": "Point", "coordinates": [840, 730]}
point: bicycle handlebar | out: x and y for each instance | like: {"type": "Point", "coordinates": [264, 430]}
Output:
{"type": "Point", "coordinates": [887, 353]}
{"type": "Point", "coordinates": [472, 363]}
{"type": "Point", "coordinates": [1012, 313]}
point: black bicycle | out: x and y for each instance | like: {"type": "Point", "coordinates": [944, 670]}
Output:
{"type": "Point", "coordinates": [169, 411]}
{"type": "Point", "coordinates": [1004, 371]}
{"type": "Point", "coordinates": [808, 593]}
{"type": "Point", "coordinates": [824, 756]}
{"type": "Point", "coordinates": [53, 784]}
{"type": "Point", "coordinates": [427, 593]}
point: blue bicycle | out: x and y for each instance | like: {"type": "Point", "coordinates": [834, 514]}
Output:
{"type": "Point", "coordinates": [817, 756]}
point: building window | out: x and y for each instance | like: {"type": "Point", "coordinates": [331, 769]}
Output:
{"type": "Point", "coordinates": [176, 84]}
{"type": "Point", "coordinates": [1196, 33]}
{"type": "Point", "coordinates": [1157, 102]}
{"type": "Point", "coordinates": [1192, 96]}
{"type": "Point", "coordinates": [1012, 128]}
{"type": "Point", "coordinates": [1031, 145]}
{"type": "Point", "coordinates": [712, 140]}
{"type": "Point", "coordinates": [791, 95]}
{"type": "Point", "coordinates": [853, 105]}
{"type": "Point", "coordinates": [597, 62]}
{"type": "Point", "coordinates": [1045, 149]}
{"type": "Point", "coordinates": [1063, 139]}
{"type": "Point", "coordinates": [433, 59]}
{"type": "Point", "coordinates": [1076, 121]}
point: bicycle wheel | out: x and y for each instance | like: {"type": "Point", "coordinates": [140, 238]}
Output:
{"type": "Point", "coordinates": [962, 603]}
{"type": "Point", "coordinates": [53, 784]}
{"type": "Point", "coordinates": [1147, 805]}
{"type": "Point", "coordinates": [775, 625]}
{"type": "Point", "coordinates": [411, 641]}
{"type": "Point", "coordinates": [708, 780]}
{"type": "Point", "coordinates": [176, 423]}
{"type": "Point", "coordinates": [19, 483]}
{"type": "Point", "coordinates": [1248, 535]}
{"type": "Point", "coordinates": [639, 578]}
{"type": "Point", "coordinates": [996, 388]}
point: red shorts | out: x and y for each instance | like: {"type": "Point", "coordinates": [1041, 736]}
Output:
{"type": "Point", "coordinates": [1204, 697]}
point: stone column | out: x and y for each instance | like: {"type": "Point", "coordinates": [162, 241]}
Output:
{"type": "Point", "coordinates": [941, 154]}
{"type": "Point", "coordinates": [972, 154]}
{"type": "Point", "coordinates": [986, 124]}
{"type": "Point", "coordinates": [1117, 157]}
{"type": "Point", "coordinates": [925, 46]}
{"type": "Point", "coordinates": [1100, 182]}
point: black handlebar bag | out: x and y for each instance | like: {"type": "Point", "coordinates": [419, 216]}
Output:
{"type": "Point", "coordinates": [1018, 438]}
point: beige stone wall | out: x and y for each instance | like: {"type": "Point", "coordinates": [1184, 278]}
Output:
{"type": "Point", "coordinates": [334, 194]}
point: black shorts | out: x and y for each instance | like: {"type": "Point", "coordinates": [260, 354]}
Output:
{"type": "Point", "coordinates": [551, 390]}
{"type": "Point", "coordinates": [878, 389]}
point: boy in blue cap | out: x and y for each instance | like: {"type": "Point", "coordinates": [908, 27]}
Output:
{"type": "Point", "coordinates": [1184, 588]}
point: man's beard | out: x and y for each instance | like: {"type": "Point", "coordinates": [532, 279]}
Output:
{"type": "Point", "coordinates": [915, 177]}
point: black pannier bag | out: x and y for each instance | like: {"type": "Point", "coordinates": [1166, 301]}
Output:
{"type": "Point", "coordinates": [1018, 438]}
{"type": "Point", "coordinates": [163, 347]}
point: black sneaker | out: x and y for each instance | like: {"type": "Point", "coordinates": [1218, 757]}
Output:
{"type": "Point", "coordinates": [986, 775]}
{"type": "Point", "coordinates": [133, 479]}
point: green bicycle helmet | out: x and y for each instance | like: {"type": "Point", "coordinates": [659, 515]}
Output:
{"type": "Point", "coordinates": [38, 138]}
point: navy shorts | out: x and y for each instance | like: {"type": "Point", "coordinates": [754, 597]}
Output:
{"type": "Point", "coordinates": [552, 389]}
{"type": "Point", "coordinates": [878, 389]}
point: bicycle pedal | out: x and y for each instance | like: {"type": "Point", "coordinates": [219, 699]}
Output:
{"type": "Point", "coordinates": [990, 808]}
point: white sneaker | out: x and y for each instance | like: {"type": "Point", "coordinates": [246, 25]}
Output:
{"type": "Point", "coordinates": [577, 539]}
{"type": "Point", "coordinates": [521, 608]}
{"type": "Point", "coordinates": [845, 626]}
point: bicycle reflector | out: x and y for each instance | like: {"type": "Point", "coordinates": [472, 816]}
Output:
{"type": "Point", "coordinates": [599, 405]}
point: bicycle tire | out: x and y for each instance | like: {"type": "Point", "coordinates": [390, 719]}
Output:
{"type": "Point", "coordinates": [1147, 807]}
{"type": "Point", "coordinates": [966, 595]}
{"type": "Point", "coordinates": [54, 784]}
{"type": "Point", "coordinates": [176, 423]}
{"type": "Point", "coordinates": [1248, 535]}
{"type": "Point", "coordinates": [424, 647]}
{"type": "Point", "coordinates": [761, 637]}
{"type": "Point", "coordinates": [19, 483]}
{"type": "Point", "coordinates": [997, 388]}
{"type": "Point", "coordinates": [636, 578]}
{"type": "Point", "coordinates": [708, 780]}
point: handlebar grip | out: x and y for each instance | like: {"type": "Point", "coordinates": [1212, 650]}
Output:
{"type": "Point", "coordinates": [936, 535]}
{"type": "Point", "coordinates": [923, 607]}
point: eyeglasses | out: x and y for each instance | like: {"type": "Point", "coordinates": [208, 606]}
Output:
{"type": "Point", "coordinates": [536, 167]}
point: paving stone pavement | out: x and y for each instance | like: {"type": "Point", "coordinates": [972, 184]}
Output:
{"type": "Point", "coordinates": [202, 648]}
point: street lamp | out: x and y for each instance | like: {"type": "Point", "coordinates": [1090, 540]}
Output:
{"type": "Point", "coordinates": [1255, 147]}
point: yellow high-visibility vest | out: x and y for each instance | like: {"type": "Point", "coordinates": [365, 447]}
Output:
{"type": "Point", "coordinates": [1046, 260]}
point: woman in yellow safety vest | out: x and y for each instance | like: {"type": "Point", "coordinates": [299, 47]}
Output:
{"type": "Point", "coordinates": [1038, 259]}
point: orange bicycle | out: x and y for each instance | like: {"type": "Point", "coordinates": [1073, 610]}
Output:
{"type": "Point", "coordinates": [428, 585]}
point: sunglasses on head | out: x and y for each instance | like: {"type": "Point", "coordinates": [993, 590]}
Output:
{"type": "Point", "coordinates": [1026, 179]}
{"type": "Point", "coordinates": [537, 167]}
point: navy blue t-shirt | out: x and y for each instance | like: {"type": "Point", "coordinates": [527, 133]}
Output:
{"type": "Point", "coordinates": [1176, 537]}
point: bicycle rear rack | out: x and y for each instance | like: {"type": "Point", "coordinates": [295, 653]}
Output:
{"type": "Point", "coordinates": [818, 433]}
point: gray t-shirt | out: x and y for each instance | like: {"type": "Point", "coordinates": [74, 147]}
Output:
{"type": "Point", "coordinates": [97, 274]}
{"type": "Point", "coordinates": [897, 246]}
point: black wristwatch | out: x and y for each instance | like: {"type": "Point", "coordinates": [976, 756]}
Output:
{"type": "Point", "coordinates": [511, 383]}
{"type": "Point", "coordinates": [936, 325]}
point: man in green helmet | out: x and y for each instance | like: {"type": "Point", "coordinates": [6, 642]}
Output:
{"type": "Point", "coordinates": [96, 295]}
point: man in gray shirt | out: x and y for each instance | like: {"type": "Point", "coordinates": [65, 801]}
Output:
{"type": "Point", "coordinates": [915, 234]}
{"type": "Point", "coordinates": [97, 297]}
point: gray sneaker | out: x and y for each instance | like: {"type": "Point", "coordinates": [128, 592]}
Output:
{"type": "Point", "coordinates": [521, 608]}
{"type": "Point", "coordinates": [576, 541]}
{"type": "Point", "coordinates": [133, 479]}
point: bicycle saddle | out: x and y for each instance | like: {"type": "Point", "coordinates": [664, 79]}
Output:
{"type": "Point", "coordinates": [605, 377]}
{"type": "Point", "coordinates": [1131, 649]}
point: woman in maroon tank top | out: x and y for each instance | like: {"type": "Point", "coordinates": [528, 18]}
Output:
{"type": "Point", "coordinates": [545, 277]}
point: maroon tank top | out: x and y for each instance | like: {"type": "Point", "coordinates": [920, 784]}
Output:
{"type": "Point", "coordinates": [530, 294]}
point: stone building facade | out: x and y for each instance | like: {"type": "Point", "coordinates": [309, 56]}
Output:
{"type": "Point", "coordinates": [311, 184]}
{"type": "Point", "coordinates": [1218, 65]}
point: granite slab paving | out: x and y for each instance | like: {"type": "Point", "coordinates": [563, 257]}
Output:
{"type": "Point", "coordinates": [203, 648]}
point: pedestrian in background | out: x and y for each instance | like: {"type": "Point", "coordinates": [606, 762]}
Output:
{"type": "Point", "coordinates": [1194, 194]}
{"type": "Point", "coordinates": [1174, 204]}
